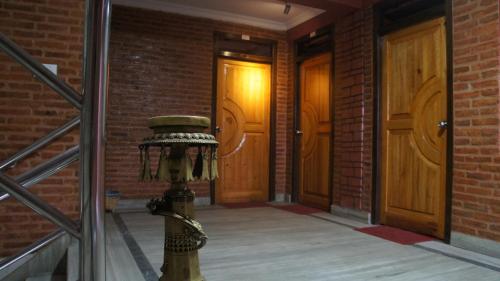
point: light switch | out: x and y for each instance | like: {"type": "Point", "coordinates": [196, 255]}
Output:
{"type": "Point", "coordinates": [51, 67]}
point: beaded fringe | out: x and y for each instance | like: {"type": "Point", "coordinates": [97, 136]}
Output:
{"type": "Point", "coordinates": [202, 170]}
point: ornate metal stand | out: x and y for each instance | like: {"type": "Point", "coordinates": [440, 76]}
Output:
{"type": "Point", "coordinates": [183, 234]}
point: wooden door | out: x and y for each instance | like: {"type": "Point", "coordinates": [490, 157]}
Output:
{"type": "Point", "coordinates": [316, 124]}
{"type": "Point", "coordinates": [414, 97]}
{"type": "Point", "coordinates": [243, 105]}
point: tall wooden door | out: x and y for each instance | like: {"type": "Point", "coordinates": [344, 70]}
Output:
{"type": "Point", "coordinates": [316, 124]}
{"type": "Point", "coordinates": [243, 105]}
{"type": "Point", "coordinates": [414, 102]}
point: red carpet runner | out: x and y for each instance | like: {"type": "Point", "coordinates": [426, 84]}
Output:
{"type": "Point", "coordinates": [395, 234]}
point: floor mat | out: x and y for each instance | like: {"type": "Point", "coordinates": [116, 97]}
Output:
{"type": "Point", "coordinates": [298, 209]}
{"type": "Point", "coordinates": [395, 234]}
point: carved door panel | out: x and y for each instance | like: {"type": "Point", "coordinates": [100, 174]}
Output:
{"type": "Point", "coordinates": [316, 124]}
{"type": "Point", "coordinates": [414, 98]}
{"type": "Point", "coordinates": [243, 105]}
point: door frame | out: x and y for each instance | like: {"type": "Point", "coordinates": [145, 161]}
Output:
{"type": "Point", "coordinates": [444, 10]}
{"type": "Point", "coordinates": [249, 56]}
{"type": "Point", "coordinates": [298, 59]}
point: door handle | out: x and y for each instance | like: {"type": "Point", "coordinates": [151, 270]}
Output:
{"type": "Point", "coordinates": [443, 124]}
{"type": "Point", "coordinates": [217, 129]}
{"type": "Point", "coordinates": [299, 132]}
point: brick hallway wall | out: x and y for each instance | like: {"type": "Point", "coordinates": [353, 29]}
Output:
{"type": "Point", "coordinates": [368, 92]}
{"type": "Point", "coordinates": [290, 127]}
{"type": "Point", "coordinates": [162, 64]}
{"type": "Point", "coordinates": [52, 32]}
{"type": "Point", "coordinates": [353, 111]}
{"type": "Point", "coordinates": [353, 104]}
{"type": "Point", "coordinates": [152, 58]}
{"type": "Point", "coordinates": [476, 161]}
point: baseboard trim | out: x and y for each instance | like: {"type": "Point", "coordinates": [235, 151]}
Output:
{"type": "Point", "coordinates": [202, 201]}
{"type": "Point", "coordinates": [139, 205]}
{"type": "Point", "coordinates": [349, 213]}
{"type": "Point", "coordinates": [280, 197]}
{"type": "Point", "coordinates": [475, 244]}
{"type": "Point", "coordinates": [287, 198]}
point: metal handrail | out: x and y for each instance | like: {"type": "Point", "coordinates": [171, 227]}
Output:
{"type": "Point", "coordinates": [50, 167]}
{"type": "Point", "coordinates": [36, 204]}
{"type": "Point", "coordinates": [40, 71]}
{"type": "Point", "coordinates": [40, 143]}
{"type": "Point", "coordinates": [92, 106]}
{"type": "Point", "coordinates": [46, 169]}
{"type": "Point", "coordinates": [92, 140]}
{"type": "Point", "coordinates": [5, 263]}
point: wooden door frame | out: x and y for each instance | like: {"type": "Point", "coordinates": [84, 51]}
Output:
{"type": "Point", "coordinates": [249, 57]}
{"type": "Point", "coordinates": [379, 32]}
{"type": "Point", "coordinates": [296, 140]}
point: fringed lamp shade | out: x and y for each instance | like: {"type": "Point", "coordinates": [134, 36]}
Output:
{"type": "Point", "coordinates": [179, 132]}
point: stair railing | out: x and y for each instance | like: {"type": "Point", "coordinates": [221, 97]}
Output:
{"type": "Point", "coordinates": [92, 104]}
{"type": "Point", "coordinates": [39, 244]}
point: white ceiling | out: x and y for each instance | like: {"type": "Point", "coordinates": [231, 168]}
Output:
{"type": "Point", "coordinates": [262, 13]}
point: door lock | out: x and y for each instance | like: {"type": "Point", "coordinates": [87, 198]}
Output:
{"type": "Point", "coordinates": [299, 132]}
{"type": "Point", "coordinates": [217, 129]}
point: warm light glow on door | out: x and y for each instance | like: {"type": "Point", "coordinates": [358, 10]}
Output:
{"type": "Point", "coordinates": [254, 81]}
{"type": "Point", "coordinates": [254, 78]}
{"type": "Point", "coordinates": [253, 84]}
{"type": "Point", "coordinates": [243, 113]}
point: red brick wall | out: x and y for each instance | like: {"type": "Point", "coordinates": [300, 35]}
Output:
{"type": "Point", "coordinates": [368, 79]}
{"type": "Point", "coordinates": [52, 32]}
{"type": "Point", "coordinates": [353, 114]}
{"type": "Point", "coordinates": [162, 64]}
{"type": "Point", "coordinates": [353, 109]}
{"type": "Point", "coordinates": [290, 127]}
{"type": "Point", "coordinates": [476, 161]}
{"type": "Point", "coordinates": [476, 183]}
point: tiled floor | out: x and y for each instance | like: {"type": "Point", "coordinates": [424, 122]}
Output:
{"type": "Point", "coordinates": [264, 243]}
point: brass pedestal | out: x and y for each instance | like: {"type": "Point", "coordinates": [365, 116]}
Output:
{"type": "Point", "coordinates": [184, 236]}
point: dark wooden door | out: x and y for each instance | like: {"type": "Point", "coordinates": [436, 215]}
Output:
{"type": "Point", "coordinates": [316, 124]}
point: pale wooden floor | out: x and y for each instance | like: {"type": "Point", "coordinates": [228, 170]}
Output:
{"type": "Point", "coordinates": [258, 244]}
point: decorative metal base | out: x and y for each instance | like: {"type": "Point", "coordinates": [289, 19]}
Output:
{"type": "Point", "coordinates": [184, 236]}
